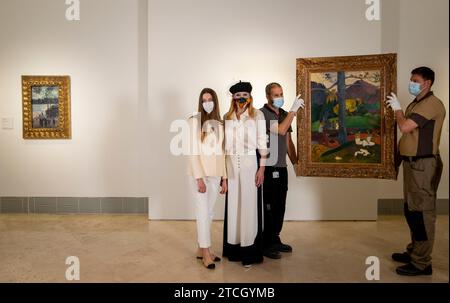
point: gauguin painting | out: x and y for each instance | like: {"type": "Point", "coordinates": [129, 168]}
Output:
{"type": "Point", "coordinates": [345, 129]}
{"type": "Point", "coordinates": [346, 117]}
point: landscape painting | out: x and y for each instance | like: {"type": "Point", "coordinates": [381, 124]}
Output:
{"type": "Point", "coordinates": [345, 129]}
{"type": "Point", "coordinates": [46, 107]}
{"type": "Point", "coordinates": [346, 117]}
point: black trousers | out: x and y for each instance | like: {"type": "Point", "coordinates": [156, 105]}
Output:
{"type": "Point", "coordinates": [274, 202]}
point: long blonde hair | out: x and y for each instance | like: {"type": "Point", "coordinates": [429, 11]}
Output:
{"type": "Point", "coordinates": [250, 108]}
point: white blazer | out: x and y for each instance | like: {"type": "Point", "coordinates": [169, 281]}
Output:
{"type": "Point", "coordinates": [207, 157]}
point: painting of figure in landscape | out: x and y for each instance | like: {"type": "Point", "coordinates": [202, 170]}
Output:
{"type": "Point", "coordinates": [345, 129]}
{"type": "Point", "coordinates": [346, 117]}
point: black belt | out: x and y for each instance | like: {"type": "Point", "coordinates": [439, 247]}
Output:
{"type": "Point", "coordinates": [415, 158]}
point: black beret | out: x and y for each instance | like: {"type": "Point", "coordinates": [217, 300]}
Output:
{"type": "Point", "coordinates": [241, 87]}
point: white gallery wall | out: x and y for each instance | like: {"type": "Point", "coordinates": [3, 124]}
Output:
{"type": "Point", "coordinates": [102, 55]}
{"type": "Point", "coordinates": [418, 32]}
{"type": "Point", "coordinates": [137, 65]}
{"type": "Point", "coordinates": [195, 44]}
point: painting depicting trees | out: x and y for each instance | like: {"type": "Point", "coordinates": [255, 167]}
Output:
{"type": "Point", "coordinates": [346, 117]}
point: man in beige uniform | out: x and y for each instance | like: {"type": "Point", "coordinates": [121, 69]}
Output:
{"type": "Point", "coordinates": [421, 127]}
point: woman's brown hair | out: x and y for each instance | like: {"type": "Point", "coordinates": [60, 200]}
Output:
{"type": "Point", "coordinates": [204, 116]}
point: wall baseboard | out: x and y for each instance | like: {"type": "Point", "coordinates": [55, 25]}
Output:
{"type": "Point", "coordinates": [136, 205]}
{"type": "Point", "coordinates": [74, 205]}
{"type": "Point", "coordinates": [395, 206]}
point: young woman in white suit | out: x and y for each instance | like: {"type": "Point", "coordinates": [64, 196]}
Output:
{"type": "Point", "coordinates": [207, 168]}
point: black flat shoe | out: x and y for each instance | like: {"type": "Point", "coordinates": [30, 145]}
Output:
{"type": "Point", "coordinates": [283, 248]}
{"type": "Point", "coordinates": [272, 254]}
{"type": "Point", "coordinates": [401, 257]}
{"type": "Point", "coordinates": [216, 258]}
{"type": "Point", "coordinates": [209, 265]}
{"type": "Point", "coordinates": [411, 270]}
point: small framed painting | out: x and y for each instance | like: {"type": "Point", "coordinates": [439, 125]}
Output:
{"type": "Point", "coordinates": [46, 107]}
{"type": "Point", "coordinates": [345, 129]}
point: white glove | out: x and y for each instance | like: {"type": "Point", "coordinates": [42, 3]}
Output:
{"type": "Point", "coordinates": [298, 103]}
{"type": "Point", "coordinates": [393, 102]}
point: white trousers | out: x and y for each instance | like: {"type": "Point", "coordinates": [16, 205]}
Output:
{"type": "Point", "coordinates": [204, 206]}
{"type": "Point", "coordinates": [242, 219]}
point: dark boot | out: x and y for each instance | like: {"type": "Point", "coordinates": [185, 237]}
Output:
{"type": "Point", "coordinates": [401, 257]}
{"type": "Point", "coordinates": [411, 270]}
{"type": "Point", "coordinates": [272, 253]}
{"type": "Point", "coordinates": [283, 248]}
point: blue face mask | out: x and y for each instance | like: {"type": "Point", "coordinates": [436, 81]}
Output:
{"type": "Point", "coordinates": [278, 102]}
{"type": "Point", "coordinates": [415, 88]}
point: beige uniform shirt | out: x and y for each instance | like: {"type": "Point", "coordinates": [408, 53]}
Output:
{"type": "Point", "coordinates": [429, 114]}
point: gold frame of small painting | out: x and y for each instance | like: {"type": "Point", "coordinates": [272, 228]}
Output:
{"type": "Point", "coordinates": [345, 129]}
{"type": "Point", "coordinates": [46, 107]}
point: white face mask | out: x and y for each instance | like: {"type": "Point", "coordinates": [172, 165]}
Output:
{"type": "Point", "coordinates": [208, 106]}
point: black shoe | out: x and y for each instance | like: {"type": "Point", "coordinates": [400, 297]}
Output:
{"type": "Point", "coordinates": [283, 248]}
{"type": "Point", "coordinates": [401, 257]}
{"type": "Point", "coordinates": [210, 266]}
{"type": "Point", "coordinates": [215, 258]}
{"type": "Point", "coordinates": [411, 270]}
{"type": "Point", "coordinates": [272, 253]}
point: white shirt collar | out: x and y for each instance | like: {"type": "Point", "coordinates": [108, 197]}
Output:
{"type": "Point", "coordinates": [244, 114]}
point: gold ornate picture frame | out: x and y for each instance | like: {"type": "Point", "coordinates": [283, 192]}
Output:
{"type": "Point", "coordinates": [345, 129]}
{"type": "Point", "coordinates": [46, 107]}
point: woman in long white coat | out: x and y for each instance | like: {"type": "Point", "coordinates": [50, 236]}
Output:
{"type": "Point", "coordinates": [245, 136]}
{"type": "Point", "coordinates": [207, 168]}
